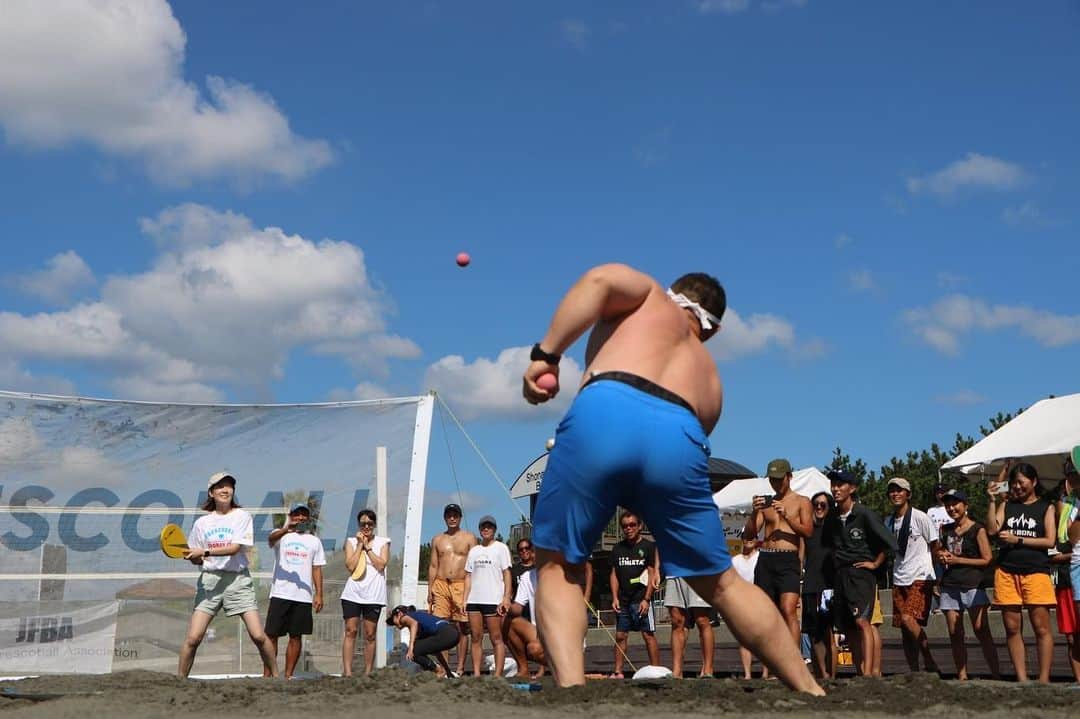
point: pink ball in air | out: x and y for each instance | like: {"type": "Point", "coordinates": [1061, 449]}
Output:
{"type": "Point", "coordinates": [463, 259]}
{"type": "Point", "coordinates": [547, 381]}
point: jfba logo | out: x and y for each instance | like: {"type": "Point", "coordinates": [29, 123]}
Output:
{"type": "Point", "coordinates": [44, 630]}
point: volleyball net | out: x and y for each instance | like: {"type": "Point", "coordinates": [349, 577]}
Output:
{"type": "Point", "coordinates": [87, 485]}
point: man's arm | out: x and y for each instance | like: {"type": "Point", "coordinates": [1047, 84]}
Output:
{"type": "Point", "coordinates": [802, 523]}
{"type": "Point", "coordinates": [275, 536]}
{"type": "Point", "coordinates": [433, 562]}
{"type": "Point", "coordinates": [316, 579]}
{"type": "Point", "coordinates": [603, 292]}
{"type": "Point", "coordinates": [614, 582]}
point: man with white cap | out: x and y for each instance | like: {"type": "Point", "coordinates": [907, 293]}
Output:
{"type": "Point", "coordinates": [913, 573]}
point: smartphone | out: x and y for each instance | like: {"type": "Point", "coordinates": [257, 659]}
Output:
{"type": "Point", "coordinates": [1000, 487]}
{"type": "Point", "coordinates": [768, 499]}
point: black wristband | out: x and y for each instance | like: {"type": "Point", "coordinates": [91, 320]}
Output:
{"type": "Point", "coordinates": [539, 355]}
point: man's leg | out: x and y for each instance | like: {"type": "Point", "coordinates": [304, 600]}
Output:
{"type": "Point", "coordinates": [462, 646]}
{"type": "Point", "coordinates": [747, 660]}
{"type": "Point", "coordinates": [789, 609]}
{"type": "Point", "coordinates": [757, 625]}
{"type": "Point", "coordinates": [195, 633]}
{"type": "Point", "coordinates": [877, 647]}
{"type": "Point", "coordinates": [678, 639]}
{"type": "Point", "coordinates": [621, 645]}
{"type": "Point", "coordinates": [559, 618]}
{"type": "Point", "coordinates": [516, 640]}
{"type": "Point", "coordinates": [292, 654]}
{"type": "Point", "coordinates": [705, 634]}
{"type": "Point", "coordinates": [652, 647]}
{"type": "Point", "coordinates": [863, 646]}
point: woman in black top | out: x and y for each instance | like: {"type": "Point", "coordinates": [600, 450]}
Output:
{"type": "Point", "coordinates": [964, 552]}
{"type": "Point", "coordinates": [1024, 529]}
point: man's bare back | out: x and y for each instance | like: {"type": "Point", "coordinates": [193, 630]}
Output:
{"type": "Point", "coordinates": [654, 341]}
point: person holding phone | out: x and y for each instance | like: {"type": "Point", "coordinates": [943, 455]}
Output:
{"type": "Point", "coordinates": [1023, 524]}
{"type": "Point", "coordinates": [787, 520]}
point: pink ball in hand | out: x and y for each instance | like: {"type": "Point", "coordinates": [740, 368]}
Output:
{"type": "Point", "coordinates": [547, 381]}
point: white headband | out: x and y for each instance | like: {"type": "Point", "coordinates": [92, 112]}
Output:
{"type": "Point", "coordinates": [707, 319]}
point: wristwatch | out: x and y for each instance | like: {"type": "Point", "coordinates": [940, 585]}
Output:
{"type": "Point", "coordinates": [539, 355]}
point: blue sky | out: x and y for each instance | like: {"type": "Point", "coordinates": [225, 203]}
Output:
{"type": "Point", "coordinates": [262, 202]}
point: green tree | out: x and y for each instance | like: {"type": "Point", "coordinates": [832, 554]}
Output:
{"type": "Point", "coordinates": [425, 561]}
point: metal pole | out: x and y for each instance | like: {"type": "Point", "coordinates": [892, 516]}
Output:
{"type": "Point", "coordinates": [381, 503]}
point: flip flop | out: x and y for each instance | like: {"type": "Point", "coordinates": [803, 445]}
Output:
{"type": "Point", "coordinates": [616, 675]}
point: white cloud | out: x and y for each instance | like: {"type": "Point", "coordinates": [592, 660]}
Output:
{"type": "Point", "coordinates": [975, 172]}
{"type": "Point", "coordinates": [224, 302]}
{"type": "Point", "coordinates": [758, 333]}
{"type": "Point", "coordinates": [735, 7]}
{"type": "Point", "coordinates": [363, 390]}
{"type": "Point", "coordinates": [574, 32]}
{"type": "Point", "coordinates": [961, 398]}
{"type": "Point", "coordinates": [492, 388]}
{"type": "Point", "coordinates": [1027, 214]}
{"type": "Point", "coordinates": [14, 378]}
{"type": "Point", "coordinates": [946, 324]}
{"type": "Point", "coordinates": [64, 276]}
{"type": "Point", "coordinates": [110, 73]}
{"type": "Point", "coordinates": [862, 280]}
{"type": "Point", "coordinates": [23, 449]}
{"type": "Point", "coordinates": [842, 240]}
{"type": "Point", "coordinates": [724, 7]}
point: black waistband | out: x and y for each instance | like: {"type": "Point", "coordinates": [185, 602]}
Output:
{"type": "Point", "coordinates": [647, 386]}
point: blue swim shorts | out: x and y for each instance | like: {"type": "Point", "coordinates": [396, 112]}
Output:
{"type": "Point", "coordinates": [627, 442]}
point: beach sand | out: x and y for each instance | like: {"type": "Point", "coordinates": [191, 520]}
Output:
{"type": "Point", "coordinates": [393, 694]}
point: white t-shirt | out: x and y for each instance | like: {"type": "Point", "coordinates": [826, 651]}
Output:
{"type": "Point", "coordinates": [938, 516]}
{"type": "Point", "coordinates": [486, 565]}
{"type": "Point", "coordinates": [916, 564]}
{"type": "Point", "coordinates": [217, 531]}
{"type": "Point", "coordinates": [295, 555]}
{"type": "Point", "coordinates": [526, 591]}
{"type": "Point", "coordinates": [745, 565]}
{"type": "Point", "coordinates": [371, 587]}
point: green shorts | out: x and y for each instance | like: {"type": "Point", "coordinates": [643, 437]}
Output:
{"type": "Point", "coordinates": [232, 590]}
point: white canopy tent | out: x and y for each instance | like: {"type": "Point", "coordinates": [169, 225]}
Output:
{"type": "Point", "coordinates": [1042, 435]}
{"type": "Point", "coordinates": [738, 496]}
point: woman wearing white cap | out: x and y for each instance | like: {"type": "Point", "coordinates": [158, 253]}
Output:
{"type": "Point", "coordinates": [218, 543]}
{"type": "Point", "coordinates": [487, 593]}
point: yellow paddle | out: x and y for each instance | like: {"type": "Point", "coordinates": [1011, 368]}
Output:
{"type": "Point", "coordinates": [173, 541]}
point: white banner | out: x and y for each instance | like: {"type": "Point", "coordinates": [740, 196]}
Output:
{"type": "Point", "coordinates": [57, 638]}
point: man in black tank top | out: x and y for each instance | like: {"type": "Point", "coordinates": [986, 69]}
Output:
{"type": "Point", "coordinates": [1023, 525]}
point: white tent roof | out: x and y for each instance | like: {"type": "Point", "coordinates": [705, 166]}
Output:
{"type": "Point", "coordinates": [1043, 435]}
{"type": "Point", "coordinates": [738, 496]}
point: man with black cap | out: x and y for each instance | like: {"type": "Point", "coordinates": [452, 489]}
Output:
{"type": "Point", "coordinates": [446, 574]}
{"type": "Point", "coordinates": [939, 517]}
{"type": "Point", "coordinates": [297, 586]}
{"type": "Point", "coordinates": [787, 519]}
{"type": "Point", "coordinates": [859, 541]}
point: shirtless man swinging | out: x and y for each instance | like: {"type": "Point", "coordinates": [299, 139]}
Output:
{"type": "Point", "coordinates": [787, 519]}
{"type": "Point", "coordinates": [449, 550]}
{"type": "Point", "coordinates": [636, 436]}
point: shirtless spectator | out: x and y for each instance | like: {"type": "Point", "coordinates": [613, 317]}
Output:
{"type": "Point", "coordinates": [786, 519]}
{"type": "Point", "coordinates": [449, 550]}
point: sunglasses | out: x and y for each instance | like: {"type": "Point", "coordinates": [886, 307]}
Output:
{"type": "Point", "coordinates": [367, 524]}
{"type": "Point", "coordinates": [629, 525]}
{"type": "Point", "coordinates": [821, 505]}
{"type": "Point", "coordinates": [525, 548]}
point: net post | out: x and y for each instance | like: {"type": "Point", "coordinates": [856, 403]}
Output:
{"type": "Point", "coordinates": [381, 505]}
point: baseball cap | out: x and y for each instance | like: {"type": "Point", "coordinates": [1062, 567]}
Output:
{"type": "Point", "coordinates": [899, 482]}
{"type": "Point", "coordinates": [300, 508]}
{"type": "Point", "coordinates": [778, 469]}
{"type": "Point", "coordinates": [452, 509]}
{"type": "Point", "coordinates": [487, 519]}
{"type": "Point", "coordinates": [842, 476]}
{"type": "Point", "coordinates": [955, 495]}
{"type": "Point", "coordinates": [219, 477]}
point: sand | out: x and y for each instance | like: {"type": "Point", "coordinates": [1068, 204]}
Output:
{"type": "Point", "coordinates": [392, 694]}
